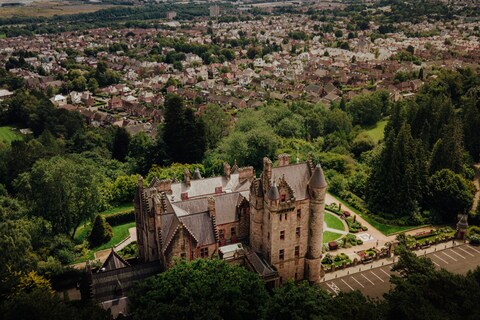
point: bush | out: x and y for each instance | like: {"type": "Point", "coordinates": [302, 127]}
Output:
{"type": "Point", "coordinates": [475, 239]}
{"type": "Point", "coordinates": [359, 242]}
{"type": "Point", "coordinates": [120, 218]}
{"type": "Point", "coordinates": [101, 232]}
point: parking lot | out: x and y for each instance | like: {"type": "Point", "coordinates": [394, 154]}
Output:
{"type": "Point", "coordinates": [374, 282]}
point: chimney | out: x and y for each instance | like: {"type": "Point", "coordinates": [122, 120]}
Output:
{"type": "Point", "coordinates": [283, 160]}
{"type": "Point", "coordinates": [226, 170]}
{"type": "Point", "coordinates": [186, 177]}
{"type": "Point", "coordinates": [211, 206]}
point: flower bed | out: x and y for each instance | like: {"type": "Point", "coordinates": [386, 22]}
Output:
{"type": "Point", "coordinates": [339, 260]}
{"type": "Point", "coordinates": [354, 226]}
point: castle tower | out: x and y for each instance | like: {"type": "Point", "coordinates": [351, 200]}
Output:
{"type": "Point", "coordinates": [317, 188]}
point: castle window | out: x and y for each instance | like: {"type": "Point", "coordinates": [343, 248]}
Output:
{"type": "Point", "coordinates": [221, 233]}
{"type": "Point", "coordinates": [232, 231]}
{"type": "Point", "coordinates": [281, 254]}
{"type": "Point", "coordinates": [297, 231]}
{"type": "Point", "coordinates": [297, 251]}
{"type": "Point", "coordinates": [296, 276]}
{"type": "Point", "coordinates": [204, 252]}
{"type": "Point", "coordinates": [282, 235]}
{"type": "Point", "coordinates": [283, 197]}
{"type": "Point", "coordinates": [281, 280]}
{"type": "Point", "coordinates": [280, 215]}
{"type": "Point", "coordinates": [299, 213]}
{"type": "Point", "coordinates": [286, 216]}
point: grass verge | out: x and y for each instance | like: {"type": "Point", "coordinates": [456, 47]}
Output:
{"type": "Point", "coordinates": [333, 221]}
{"type": "Point", "coordinates": [329, 236]}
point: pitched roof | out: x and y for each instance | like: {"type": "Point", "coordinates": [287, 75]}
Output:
{"type": "Point", "coordinates": [297, 177]}
{"type": "Point", "coordinates": [113, 262]}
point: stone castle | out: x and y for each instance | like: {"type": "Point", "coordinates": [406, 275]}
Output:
{"type": "Point", "coordinates": [278, 219]}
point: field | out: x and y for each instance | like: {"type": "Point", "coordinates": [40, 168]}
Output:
{"type": "Point", "coordinates": [50, 8]}
{"type": "Point", "coordinates": [8, 135]}
{"type": "Point", "coordinates": [377, 132]}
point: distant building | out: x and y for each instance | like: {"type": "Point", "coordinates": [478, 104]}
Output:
{"type": "Point", "coordinates": [214, 11]}
{"type": "Point", "coordinates": [171, 15]}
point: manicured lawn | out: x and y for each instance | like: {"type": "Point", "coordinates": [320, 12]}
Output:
{"type": "Point", "coordinates": [120, 232]}
{"type": "Point", "coordinates": [121, 208]}
{"type": "Point", "coordinates": [330, 236]}
{"type": "Point", "coordinates": [333, 221]}
{"type": "Point", "coordinates": [377, 132]}
{"type": "Point", "coordinates": [3, 35]}
{"type": "Point", "coordinates": [7, 134]}
{"type": "Point", "coordinates": [383, 228]}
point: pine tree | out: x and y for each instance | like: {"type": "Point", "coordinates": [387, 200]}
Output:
{"type": "Point", "coordinates": [471, 126]}
{"type": "Point", "coordinates": [101, 232]}
{"type": "Point", "coordinates": [121, 144]}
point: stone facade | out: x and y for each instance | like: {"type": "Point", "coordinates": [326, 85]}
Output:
{"type": "Point", "coordinates": [278, 217]}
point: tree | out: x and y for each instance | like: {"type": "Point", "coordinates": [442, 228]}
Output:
{"type": "Point", "coordinates": [450, 194]}
{"type": "Point", "coordinates": [304, 301]}
{"type": "Point", "coordinates": [62, 190]}
{"type": "Point", "coordinates": [422, 292]}
{"type": "Point", "coordinates": [221, 291]}
{"type": "Point", "coordinates": [121, 143]}
{"type": "Point", "coordinates": [101, 232]}
{"type": "Point", "coordinates": [217, 124]}
{"type": "Point", "coordinates": [183, 133]}
{"type": "Point", "coordinates": [447, 153]}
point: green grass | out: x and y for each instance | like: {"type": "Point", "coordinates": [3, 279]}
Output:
{"type": "Point", "coordinates": [333, 221]}
{"type": "Point", "coordinates": [383, 228]}
{"type": "Point", "coordinates": [3, 36]}
{"type": "Point", "coordinates": [120, 232]}
{"type": "Point", "coordinates": [121, 208]}
{"type": "Point", "coordinates": [330, 236]}
{"type": "Point", "coordinates": [7, 134]}
{"type": "Point", "coordinates": [377, 132]}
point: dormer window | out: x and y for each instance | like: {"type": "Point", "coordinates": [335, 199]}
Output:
{"type": "Point", "coordinates": [184, 196]}
{"type": "Point", "coordinates": [283, 197]}
{"type": "Point", "coordinates": [218, 190]}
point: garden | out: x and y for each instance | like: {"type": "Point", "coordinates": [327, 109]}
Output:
{"type": "Point", "coordinates": [426, 238]}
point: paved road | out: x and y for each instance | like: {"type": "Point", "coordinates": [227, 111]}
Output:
{"type": "Point", "coordinates": [375, 282]}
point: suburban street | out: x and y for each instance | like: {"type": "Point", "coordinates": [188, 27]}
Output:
{"type": "Point", "coordinates": [373, 279]}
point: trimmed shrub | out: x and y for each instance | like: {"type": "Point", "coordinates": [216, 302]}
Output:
{"type": "Point", "coordinates": [101, 232]}
{"type": "Point", "coordinates": [120, 218]}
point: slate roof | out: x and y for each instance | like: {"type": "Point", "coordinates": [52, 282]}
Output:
{"type": "Point", "coordinates": [113, 262]}
{"type": "Point", "coordinates": [318, 178]}
{"type": "Point", "coordinates": [297, 177]}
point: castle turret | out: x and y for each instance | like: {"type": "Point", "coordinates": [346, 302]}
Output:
{"type": "Point", "coordinates": [186, 177]}
{"type": "Point", "coordinates": [317, 187]}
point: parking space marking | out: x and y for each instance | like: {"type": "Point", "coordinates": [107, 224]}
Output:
{"type": "Point", "coordinates": [458, 254]}
{"type": "Point", "coordinates": [466, 252]}
{"type": "Point", "coordinates": [334, 288]}
{"type": "Point", "coordinates": [377, 276]}
{"type": "Point", "coordinates": [363, 275]}
{"type": "Point", "coordinates": [385, 273]}
{"type": "Point", "coordinates": [449, 256]}
{"type": "Point", "coordinates": [440, 258]}
{"type": "Point", "coordinates": [347, 285]}
{"type": "Point", "coordinates": [435, 263]}
{"type": "Point", "coordinates": [357, 282]}
{"type": "Point", "coordinates": [474, 249]}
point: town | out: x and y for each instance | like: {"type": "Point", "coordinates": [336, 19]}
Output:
{"type": "Point", "coordinates": [245, 160]}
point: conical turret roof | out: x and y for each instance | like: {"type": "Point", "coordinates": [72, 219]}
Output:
{"type": "Point", "coordinates": [197, 175]}
{"type": "Point", "coordinates": [273, 193]}
{"type": "Point", "coordinates": [317, 180]}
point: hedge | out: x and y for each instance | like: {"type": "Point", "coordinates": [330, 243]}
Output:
{"type": "Point", "coordinates": [120, 218]}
